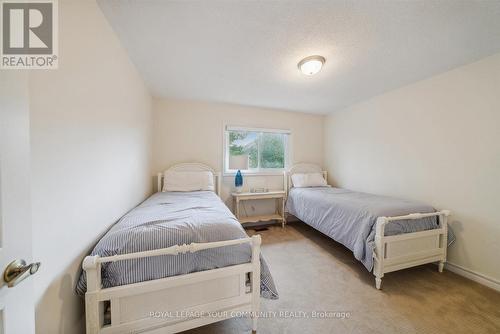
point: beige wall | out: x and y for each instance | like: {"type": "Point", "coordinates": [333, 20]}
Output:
{"type": "Point", "coordinates": [91, 138]}
{"type": "Point", "coordinates": [438, 141]}
{"type": "Point", "coordinates": [186, 131]}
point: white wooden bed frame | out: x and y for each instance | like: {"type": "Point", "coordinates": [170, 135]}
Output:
{"type": "Point", "coordinates": [398, 251]}
{"type": "Point", "coordinates": [193, 299]}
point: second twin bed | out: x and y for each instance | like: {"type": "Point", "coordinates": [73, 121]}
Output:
{"type": "Point", "coordinates": [384, 233]}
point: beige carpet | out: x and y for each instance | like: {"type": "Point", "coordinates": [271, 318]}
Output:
{"type": "Point", "coordinates": [313, 273]}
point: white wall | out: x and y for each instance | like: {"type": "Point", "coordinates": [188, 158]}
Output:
{"type": "Point", "coordinates": [438, 141]}
{"type": "Point", "coordinates": [187, 131]}
{"type": "Point", "coordinates": [91, 139]}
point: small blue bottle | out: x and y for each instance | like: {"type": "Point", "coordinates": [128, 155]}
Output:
{"type": "Point", "coordinates": [238, 180]}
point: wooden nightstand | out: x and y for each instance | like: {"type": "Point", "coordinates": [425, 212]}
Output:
{"type": "Point", "coordinates": [278, 196]}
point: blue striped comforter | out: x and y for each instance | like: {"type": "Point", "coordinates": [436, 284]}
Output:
{"type": "Point", "coordinates": [174, 218]}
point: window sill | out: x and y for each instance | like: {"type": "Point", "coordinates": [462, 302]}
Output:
{"type": "Point", "coordinates": [249, 174]}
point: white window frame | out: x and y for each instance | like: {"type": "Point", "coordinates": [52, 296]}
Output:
{"type": "Point", "coordinates": [260, 171]}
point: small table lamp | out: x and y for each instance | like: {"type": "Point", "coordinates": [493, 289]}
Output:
{"type": "Point", "coordinates": [239, 162]}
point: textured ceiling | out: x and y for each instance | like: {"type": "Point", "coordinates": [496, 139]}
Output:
{"type": "Point", "coordinates": [246, 52]}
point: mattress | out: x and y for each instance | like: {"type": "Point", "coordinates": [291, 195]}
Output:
{"type": "Point", "coordinates": [349, 217]}
{"type": "Point", "coordinates": [174, 218]}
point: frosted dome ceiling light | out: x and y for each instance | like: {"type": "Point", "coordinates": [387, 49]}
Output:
{"type": "Point", "coordinates": [311, 65]}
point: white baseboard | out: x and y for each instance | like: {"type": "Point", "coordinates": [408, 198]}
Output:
{"type": "Point", "coordinates": [473, 276]}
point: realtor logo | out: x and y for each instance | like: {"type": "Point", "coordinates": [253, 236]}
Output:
{"type": "Point", "coordinates": [29, 34]}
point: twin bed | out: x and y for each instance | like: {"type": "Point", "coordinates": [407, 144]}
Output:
{"type": "Point", "coordinates": [181, 259]}
{"type": "Point", "coordinates": [384, 233]}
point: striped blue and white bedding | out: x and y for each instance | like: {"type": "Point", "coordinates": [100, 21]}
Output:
{"type": "Point", "coordinates": [349, 217]}
{"type": "Point", "coordinates": [174, 218]}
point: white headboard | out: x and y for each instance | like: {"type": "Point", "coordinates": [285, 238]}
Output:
{"type": "Point", "coordinates": [303, 168]}
{"type": "Point", "coordinates": [192, 167]}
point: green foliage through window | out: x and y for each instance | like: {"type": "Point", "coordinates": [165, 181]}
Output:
{"type": "Point", "coordinates": [265, 150]}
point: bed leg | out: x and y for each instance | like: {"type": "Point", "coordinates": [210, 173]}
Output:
{"type": "Point", "coordinates": [441, 266]}
{"type": "Point", "coordinates": [254, 324]}
{"type": "Point", "coordinates": [256, 241]}
{"type": "Point", "coordinates": [378, 282]}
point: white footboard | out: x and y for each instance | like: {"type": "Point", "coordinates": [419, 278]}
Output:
{"type": "Point", "coordinates": [177, 303]}
{"type": "Point", "coordinates": [410, 249]}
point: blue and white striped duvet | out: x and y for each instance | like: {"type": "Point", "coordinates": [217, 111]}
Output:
{"type": "Point", "coordinates": [168, 219]}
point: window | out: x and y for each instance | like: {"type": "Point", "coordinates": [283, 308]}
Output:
{"type": "Point", "coordinates": [267, 149]}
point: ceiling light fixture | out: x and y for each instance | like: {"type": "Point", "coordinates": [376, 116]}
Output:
{"type": "Point", "coordinates": [311, 65]}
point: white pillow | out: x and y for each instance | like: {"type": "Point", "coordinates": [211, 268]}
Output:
{"type": "Point", "coordinates": [300, 180]}
{"type": "Point", "coordinates": [188, 181]}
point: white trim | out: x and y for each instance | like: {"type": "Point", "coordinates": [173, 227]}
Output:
{"type": "Point", "coordinates": [490, 282]}
{"type": "Point", "coordinates": [250, 129]}
{"type": "Point", "coordinates": [249, 173]}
